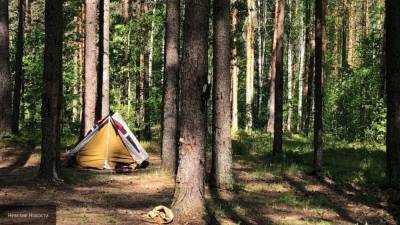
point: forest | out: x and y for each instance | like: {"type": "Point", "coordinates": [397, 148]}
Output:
{"type": "Point", "coordinates": [240, 111]}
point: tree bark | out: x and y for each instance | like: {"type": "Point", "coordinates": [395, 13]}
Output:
{"type": "Point", "coordinates": [169, 143]}
{"type": "Point", "coordinates": [146, 81]}
{"type": "Point", "coordinates": [234, 67]}
{"type": "Point", "coordinates": [352, 32]}
{"type": "Point", "coordinates": [103, 84]}
{"type": "Point", "coordinates": [277, 74]}
{"type": "Point", "coordinates": [221, 170]}
{"type": "Point", "coordinates": [276, 82]}
{"type": "Point", "coordinates": [250, 63]}
{"type": "Point", "coordinates": [18, 67]}
{"type": "Point", "coordinates": [290, 68]}
{"type": "Point", "coordinates": [302, 45]}
{"type": "Point", "coordinates": [5, 76]}
{"type": "Point", "coordinates": [276, 68]}
{"type": "Point", "coordinates": [310, 77]}
{"type": "Point", "coordinates": [126, 88]}
{"type": "Point", "coordinates": [90, 92]}
{"type": "Point", "coordinates": [392, 55]}
{"type": "Point", "coordinates": [52, 90]}
{"type": "Point", "coordinates": [151, 44]}
{"type": "Point", "coordinates": [320, 26]}
{"type": "Point", "coordinates": [188, 200]}
{"type": "Point", "coordinates": [345, 28]}
{"type": "Point", "coordinates": [306, 60]}
{"type": "Point", "coordinates": [335, 51]}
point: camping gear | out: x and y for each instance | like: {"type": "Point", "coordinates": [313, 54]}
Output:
{"type": "Point", "coordinates": [121, 168]}
{"type": "Point", "coordinates": [161, 214]}
{"type": "Point", "coordinates": [107, 144]}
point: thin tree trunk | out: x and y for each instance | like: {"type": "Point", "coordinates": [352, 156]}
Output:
{"type": "Point", "coordinates": [352, 32]}
{"type": "Point", "coordinates": [276, 81]}
{"type": "Point", "coordinates": [221, 170]}
{"type": "Point", "coordinates": [335, 51]}
{"type": "Point", "coordinates": [392, 69]}
{"type": "Point", "coordinates": [151, 45]}
{"type": "Point", "coordinates": [90, 92]}
{"type": "Point", "coordinates": [188, 200]}
{"type": "Point", "coordinates": [146, 84]}
{"type": "Point", "coordinates": [290, 68]}
{"type": "Point", "coordinates": [126, 89]}
{"type": "Point", "coordinates": [169, 142]}
{"type": "Point", "coordinates": [105, 106]}
{"type": "Point", "coordinates": [302, 45]}
{"type": "Point", "coordinates": [82, 61]}
{"type": "Point", "coordinates": [52, 90]}
{"type": "Point", "coordinates": [140, 74]}
{"type": "Point", "coordinates": [19, 76]}
{"type": "Point", "coordinates": [310, 77]}
{"type": "Point", "coordinates": [260, 63]}
{"type": "Point", "coordinates": [250, 63]}
{"type": "Point", "coordinates": [146, 98]}
{"type": "Point", "coordinates": [345, 28]}
{"type": "Point", "coordinates": [76, 84]}
{"type": "Point", "coordinates": [103, 84]}
{"type": "Point", "coordinates": [277, 74]}
{"type": "Point", "coordinates": [306, 84]}
{"type": "Point", "coordinates": [234, 67]}
{"type": "Point", "coordinates": [320, 14]}
{"type": "Point", "coordinates": [5, 76]}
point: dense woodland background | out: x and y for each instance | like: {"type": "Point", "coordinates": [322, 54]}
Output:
{"type": "Point", "coordinates": [313, 70]}
{"type": "Point", "coordinates": [354, 80]}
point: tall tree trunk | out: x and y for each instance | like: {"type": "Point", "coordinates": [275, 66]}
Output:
{"type": "Point", "coordinates": [90, 92]}
{"type": "Point", "coordinates": [302, 46]}
{"type": "Point", "coordinates": [146, 84]}
{"type": "Point", "coordinates": [290, 68]}
{"type": "Point", "coordinates": [250, 63]}
{"type": "Point", "coordinates": [18, 67]}
{"type": "Point", "coordinates": [5, 76]}
{"type": "Point", "coordinates": [336, 37]}
{"type": "Point", "coordinates": [261, 55]}
{"type": "Point", "coordinates": [320, 26]}
{"type": "Point", "coordinates": [392, 69]}
{"type": "Point", "coordinates": [151, 44]}
{"type": "Point", "coordinates": [345, 28]}
{"type": "Point", "coordinates": [306, 84]}
{"type": "Point", "coordinates": [105, 105]}
{"type": "Point", "coordinates": [310, 77]}
{"type": "Point", "coordinates": [140, 74]}
{"type": "Point", "coordinates": [277, 74]}
{"type": "Point", "coordinates": [188, 200]}
{"type": "Point", "coordinates": [169, 142]}
{"type": "Point", "coordinates": [234, 67]}
{"type": "Point", "coordinates": [103, 84]}
{"type": "Point", "coordinates": [76, 84]}
{"type": "Point", "coordinates": [351, 32]}
{"type": "Point", "coordinates": [146, 97]}
{"type": "Point", "coordinates": [276, 82]}
{"type": "Point", "coordinates": [82, 63]}
{"type": "Point", "coordinates": [126, 88]}
{"type": "Point", "coordinates": [221, 170]}
{"type": "Point", "coordinates": [52, 90]}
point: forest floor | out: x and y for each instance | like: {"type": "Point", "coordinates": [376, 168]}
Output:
{"type": "Point", "coordinates": [267, 190]}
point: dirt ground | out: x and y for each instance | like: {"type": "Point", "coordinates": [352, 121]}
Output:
{"type": "Point", "coordinates": [87, 197]}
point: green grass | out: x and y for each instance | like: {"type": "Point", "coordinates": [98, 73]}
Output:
{"type": "Point", "coordinates": [344, 163]}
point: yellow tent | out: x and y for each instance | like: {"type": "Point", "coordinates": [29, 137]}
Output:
{"type": "Point", "coordinates": [108, 143]}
